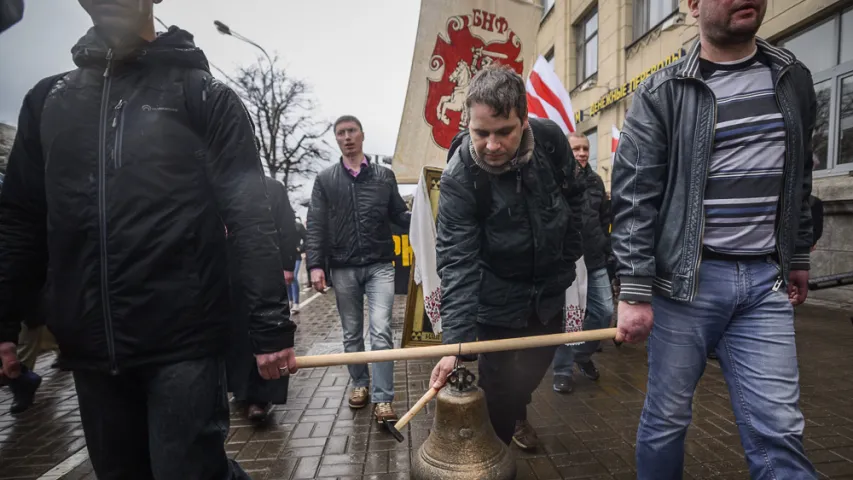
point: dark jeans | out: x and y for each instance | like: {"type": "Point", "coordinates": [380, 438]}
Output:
{"type": "Point", "coordinates": [162, 422]}
{"type": "Point", "coordinates": [509, 378]}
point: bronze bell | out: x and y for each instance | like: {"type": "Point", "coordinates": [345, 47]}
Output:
{"type": "Point", "coordinates": [462, 444]}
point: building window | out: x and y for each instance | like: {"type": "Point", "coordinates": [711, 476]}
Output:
{"type": "Point", "coordinates": [587, 42]}
{"type": "Point", "coordinates": [547, 5]}
{"type": "Point", "coordinates": [827, 50]}
{"type": "Point", "coordinates": [592, 136]}
{"type": "Point", "coordinates": [649, 13]}
{"type": "Point", "coordinates": [549, 57]}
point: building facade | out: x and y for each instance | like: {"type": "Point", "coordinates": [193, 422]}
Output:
{"type": "Point", "coordinates": [603, 49]}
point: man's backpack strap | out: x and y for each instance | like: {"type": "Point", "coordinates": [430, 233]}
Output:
{"type": "Point", "coordinates": [480, 179]}
{"type": "Point", "coordinates": [39, 96]}
{"type": "Point", "coordinates": [559, 165]}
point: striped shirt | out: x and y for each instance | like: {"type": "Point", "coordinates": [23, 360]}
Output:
{"type": "Point", "coordinates": [746, 169]}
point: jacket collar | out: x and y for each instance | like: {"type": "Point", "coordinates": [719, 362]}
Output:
{"type": "Point", "coordinates": [690, 66]}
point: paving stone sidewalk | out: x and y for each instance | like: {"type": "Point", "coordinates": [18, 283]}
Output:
{"type": "Point", "coordinates": [588, 434]}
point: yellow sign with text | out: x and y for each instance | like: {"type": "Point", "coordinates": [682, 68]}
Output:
{"type": "Point", "coordinates": [403, 250]}
{"type": "Point", "coordinates": [626, 88]}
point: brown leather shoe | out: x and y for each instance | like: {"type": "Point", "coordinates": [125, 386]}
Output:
{"type": "Point", "coordinates": [359, 397]}
{"type": "Point", "coordinates": [525, 437]}
{"type": "Point", "coordinates": [383, 411]}
{"type": "Point", "coordinates": [259, 413]}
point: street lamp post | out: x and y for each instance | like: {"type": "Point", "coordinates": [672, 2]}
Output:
{"type": "Point", "coordinates": [226, 30]}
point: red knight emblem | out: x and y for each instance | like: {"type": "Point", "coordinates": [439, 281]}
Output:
{"type": "Point", "coordinates": [474, 41]}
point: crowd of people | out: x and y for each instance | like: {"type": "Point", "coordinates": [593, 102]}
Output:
{"type": "Point", "coordinates": [150, 248]}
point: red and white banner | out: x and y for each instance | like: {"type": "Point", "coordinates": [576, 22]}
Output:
{"type": "Point", "coordinates": [547, 98]}
{"type": "Point", "coordinates": [614, 141]}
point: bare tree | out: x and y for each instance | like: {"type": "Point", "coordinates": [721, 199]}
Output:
{"type": "Point", "coordinates": [290, 139]}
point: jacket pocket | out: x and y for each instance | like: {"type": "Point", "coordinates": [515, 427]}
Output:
{"type": "Point", "coordinates": [493, 290]}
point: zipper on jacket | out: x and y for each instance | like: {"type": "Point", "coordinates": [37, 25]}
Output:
{"type": "Point", "coordinates": [698, 262]}
{"type": "Point", "coordinates": [355, 211]}
{"type": "Point", "coordinates": [518, 181]}
{"type": "Point", "coordinates": [102, 213]}
{"type": "Point", "coordinates": [785, 172]}
{"type": "Point", "coordinates": [118, 124]}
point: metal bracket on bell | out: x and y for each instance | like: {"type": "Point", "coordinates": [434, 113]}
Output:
{"type": "Point", "coordinates": [461, 378]}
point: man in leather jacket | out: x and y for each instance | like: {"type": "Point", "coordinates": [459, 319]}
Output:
{"type": "Point", "coordinates": [711, 182]}
{"type": "Point", "coordinates": [119, 182]}
{"type": "Point", "coordinates": [349, 224]}
{"type": "Point", "coordinates": [508, 237]}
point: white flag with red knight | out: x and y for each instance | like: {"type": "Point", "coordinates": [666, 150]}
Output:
{"type": "Point", "coordinates": [455, 40]}
{"type": "Point", "coordinates": [547, 98]}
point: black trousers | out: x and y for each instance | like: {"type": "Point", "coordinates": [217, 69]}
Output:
{"type": "Point", "coordinates": [166, 422]}
{"type": "Point", "coordinates": [509, 378]}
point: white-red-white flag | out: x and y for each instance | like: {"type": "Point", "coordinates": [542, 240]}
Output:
{"type": "Point", "coordinates": [614, 142]}
{"type": "Point", "coordinates": [546, 97]}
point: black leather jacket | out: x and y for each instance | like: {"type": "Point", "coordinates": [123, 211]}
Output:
{"type": "Point", "coordinates": [661, 167]}
{"type": "Point", "coordinates": [515, 264]}
{"type": "Point", "coordinates": [349, 221]}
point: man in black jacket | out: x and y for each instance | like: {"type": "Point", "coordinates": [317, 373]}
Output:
{"type": "Point", "coordinates": [250, 390]}
{"type": "Point", "coordinates": [118, 186]}
{"type": "Point", "coordinates": [711, 181]}
{"type": "Point", "coordinates": [596, 251]}
{"type": "Point", "coordinates": [349, 224]}
{"type": "Point", "coordinates": [508, 237]}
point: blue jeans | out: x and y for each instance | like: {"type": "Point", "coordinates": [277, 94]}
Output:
{"type": "Point", "coordinates": [599, 312]}
{"type": "Point", "coordinates": [293, 288]}
{"type": "Point", "coordinates": [751, 327]}
{"type": "Point", "coordinates": [351, 284]}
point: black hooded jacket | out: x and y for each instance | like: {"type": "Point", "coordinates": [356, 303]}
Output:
{"type": "Point", "coordinates": [119, 195]}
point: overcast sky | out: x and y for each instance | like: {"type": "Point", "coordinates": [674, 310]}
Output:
{"type": "Point", "coordinates": [355, 54]}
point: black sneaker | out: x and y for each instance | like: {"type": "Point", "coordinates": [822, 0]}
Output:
{"type": "Point", "coordinates": [588, 370]}
{"type": "Point", "coordinates": [563, 384]}
{"type": "Point", "coordinates": [24, 391]}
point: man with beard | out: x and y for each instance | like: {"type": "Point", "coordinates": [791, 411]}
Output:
{"type": "Point", "coordinates": [711, 182]}
{"type": "Point", "coordinates": [121, 176]}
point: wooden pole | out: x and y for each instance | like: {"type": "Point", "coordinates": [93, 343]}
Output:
{"type": "Point", "coordinates": [437, 351]}
{"type": "Point", "coordinates": [429, 395]}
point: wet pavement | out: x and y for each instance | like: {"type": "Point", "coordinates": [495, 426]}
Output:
{"type": "Point", "coordinates": [588, 434]}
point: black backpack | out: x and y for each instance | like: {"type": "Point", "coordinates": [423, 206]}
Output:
{"type": "Point", "coordinates": [482, 181]}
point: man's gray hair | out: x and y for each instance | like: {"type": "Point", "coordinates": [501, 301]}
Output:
{"type": "Point", "coordinates": [499, 87]}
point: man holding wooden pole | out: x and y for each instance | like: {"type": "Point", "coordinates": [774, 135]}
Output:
{"type": "Point", "coordinates": [712, 231]}
{"type": "Point", "coordinates": [508, 236]}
